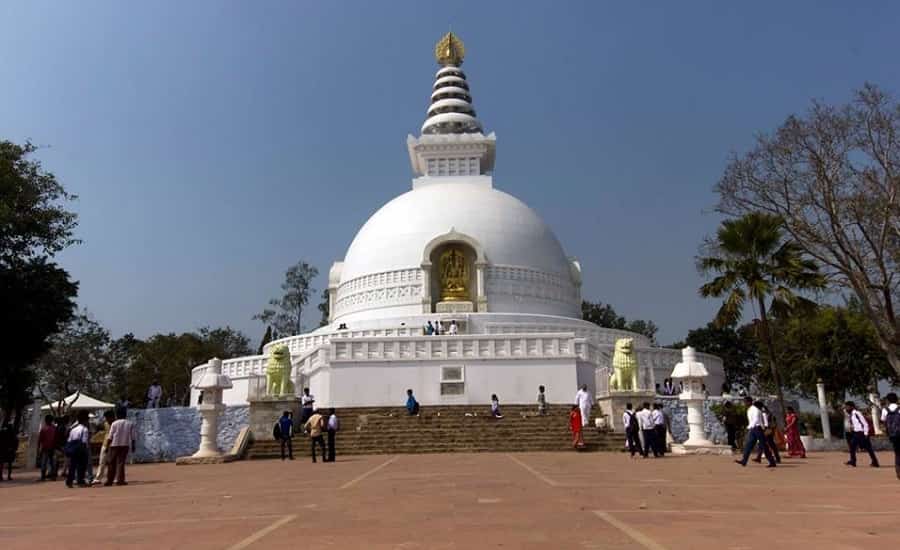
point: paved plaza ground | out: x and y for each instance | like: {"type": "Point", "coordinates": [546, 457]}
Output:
{"type": "Point", "coordinates": [453, 501]}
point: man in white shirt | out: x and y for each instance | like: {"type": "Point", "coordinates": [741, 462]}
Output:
{"type": "Point", "coordinates": [645, 423]}
{"type": "Point", "coordinates": [333, 425]}
{"type": "Point", "coordinates": [630, 424]}
{"type": "Point", "coordinates": [756, 433]}
{"type": "Point", "coordinates": [860, 437]}
{"type": "Point", "coordinates": [584, 402]}
{"type": "Point", "coordinates": [454, 328]}
{"type": "Point", "coordinates": [118, 440]}
{"type": "Point", "coordinates": [659, 428]}
{"type": "Point", "coordinates": [307, 404]}
{"type": "Point", "coordinates": [77, 450]}
{"type": "Point", "coordinates": [154, 392]}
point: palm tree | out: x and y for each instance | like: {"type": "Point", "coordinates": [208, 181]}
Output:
{"type": "Point", "coordinates": [752, 260]}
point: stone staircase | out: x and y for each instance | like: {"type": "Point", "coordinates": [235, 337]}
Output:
{"type": "Point", "coordinates": [447, 429]}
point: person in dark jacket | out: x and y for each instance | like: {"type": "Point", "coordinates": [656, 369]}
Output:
{"type": "Point", "coordinates": [286, 434]}
{"type": "Point", "coordinates": [9, 444]}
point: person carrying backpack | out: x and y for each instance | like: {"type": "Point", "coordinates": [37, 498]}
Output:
{"type": "Point", "coordinates": [890, 417]}
{"type": "Point", "coordinates": [860, 437]}
{"type": "Point", "coordinates": [632, 429]}
{"type": "Point", "coordinates": [283, 432]}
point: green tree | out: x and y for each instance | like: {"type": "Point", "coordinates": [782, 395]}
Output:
{"type": "Point", "coordinates": [267, 337]}
{"type": "Point", "coordinates": [287, 315]}
{"type": "Point", "coordinates": [324, 308]}
{"type": "Point", "coordinates": [832, 175]}
{"type": "Point", "coordinates": [33, 222]}
{"type": "Point", "coordinates": [36, 296]}
{"type": "Point", "coordinates": [835, 344]}
{"type": "Point", "coordinates": [226, 342]}
{"type": "Point", "coordinates": [605, 315]}
{"type": "Point", "coordinates": [37, 299]}
{"type": "Point", "coordinates": [170, 359]}
{"type": "Point", "coordinates": [79, 360]}
{"type": "Point", "coordinates": [751, 260]}
{"type": "Point", "coordinates": [738, 349]}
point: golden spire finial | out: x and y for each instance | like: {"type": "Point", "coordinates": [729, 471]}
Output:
{"type": "Point", "coordinates": [449, 50]}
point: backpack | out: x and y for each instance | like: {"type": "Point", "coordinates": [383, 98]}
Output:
{"type": "Point", "coordinates": [276, 430]}
{"type": "Point", "coordinates": [632, 422]}
{"type": "Point", "coordinates": [892, 422]}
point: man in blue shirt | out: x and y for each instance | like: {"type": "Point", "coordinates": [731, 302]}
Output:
{"type": "Point", "coordinates": [286, 433]}
{"type": "Point", "coordinates": [412, 406]}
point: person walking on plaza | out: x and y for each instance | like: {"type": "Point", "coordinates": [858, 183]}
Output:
{"type": "Point", "coordinates": [792, 434]}
{"type": "Point", "coordinates": [103, 466]}
{"type": "Point", "coordinates": [659, 429]}
{"type": "Point", "coordinates": [769, 432]}
{"type": "Point", "coordinates": [332, 426]}
{"type": "Point", "coordinates": [47, 449]}
{"type": "Point", "coordinates": [62, 436]}
{"type": "Point", "coordinates": [575, 427]}
{"type": "Point", "coordinates": [756, 426]}
{"type": "Point", "coordinates": [412, 406]}
{"type": "Point", "coordinates": [731, 421]}
{"type": "Point", "coordinates": [542, 402]}
{"type": "Point", "coordinates": [630, 424]}
{"type": "Point", "coordinates": [154, 394]}
{"type": "Point", "coordinates": [285, 434]}
{"type": "Point", "coordinates": [584, 402]}
{"type": "Point", "coordinates": [890, 417]}
{"type": "Point", "coordinates": [77, 450]}
{"type": "Point", "coordinates": [120, 438]}
{"type": "Point", "coordinates": [307, 404]}
{"type": "Point", "coordinates": [860, 437]}
{"type": "Point", "coordinates": [495, 406]}
{"type": "Point", "coordinates": [9, 444]}
{"type": "Point", "coordinates": [645, 422]}
{"type": "Point", "coordinates": [314, 427]}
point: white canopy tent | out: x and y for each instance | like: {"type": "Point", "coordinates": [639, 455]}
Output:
{"type": "Point", "coordinates": [80, 401]}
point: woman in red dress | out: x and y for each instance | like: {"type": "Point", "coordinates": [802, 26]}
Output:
{"type": "Point", "coordinates": [575, 426]}
{"type": "Point", "coordinates": [792, 434]}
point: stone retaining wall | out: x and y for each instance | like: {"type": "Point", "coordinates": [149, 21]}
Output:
{"type": "Point", "coordinates": [168, 433]}
{"type": "Point", "coordinates": [676, 413]}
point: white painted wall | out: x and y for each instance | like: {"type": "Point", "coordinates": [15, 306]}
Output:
{"type": "Point", "coordinates": [385, 383]}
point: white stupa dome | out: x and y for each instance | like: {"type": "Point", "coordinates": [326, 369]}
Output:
{"type": "Point", "coordinates": [527, 272]}
{"type": "Point", "coordinates": [511, 233]}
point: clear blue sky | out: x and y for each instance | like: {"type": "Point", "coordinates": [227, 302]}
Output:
{"type": "Point", "coordinates": [212, 144]}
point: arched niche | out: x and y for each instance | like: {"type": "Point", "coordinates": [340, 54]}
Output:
{"type": "Point", "coordinates": [475, 258]}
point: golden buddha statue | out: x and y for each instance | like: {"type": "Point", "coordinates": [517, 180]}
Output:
{"type": "Point", "coordinates": [454, 275]}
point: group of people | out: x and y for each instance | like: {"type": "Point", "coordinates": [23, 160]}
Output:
{"type": "Point", "coordinates": [437, 328]}
{"type": "Point", "coordinates": [764, 436]}
{"type": "Point", "coordinates": [645, 430]}
{"type": "Point", "coordinates": [68, 446]}
{"type": "Point", "coordinates": [313, 423]}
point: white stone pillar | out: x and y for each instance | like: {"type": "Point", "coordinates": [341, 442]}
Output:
{"type": "Point", "coordinates": [426, 287]}
{"type": "Point", "coordinates": [823, 409]}
{"type": "Point", "coordinates": [211, 384]}
{"type": "Point", "coordinates": [692, 373]}
{"type": "Point", "coordinates": [696, 427]}
{"type": "Point", "coordinates": [209, 430]}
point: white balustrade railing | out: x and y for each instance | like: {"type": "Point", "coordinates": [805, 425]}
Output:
{"type": "Point", "coordinates": [471, 346]}
{"type": "Point", "coordinates": [406, 344]}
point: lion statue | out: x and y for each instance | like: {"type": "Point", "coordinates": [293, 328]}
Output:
{"type": "Point", "coordinates": [278, 372]}
{"type": "Point", "coordinates": [625, 367]}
